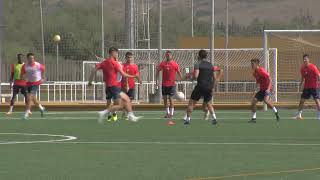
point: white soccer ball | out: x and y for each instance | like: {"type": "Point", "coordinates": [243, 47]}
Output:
{"type": "Point", "coordinates": [179, 96]}
{"type": "Point", "coordinates": [57, 38]}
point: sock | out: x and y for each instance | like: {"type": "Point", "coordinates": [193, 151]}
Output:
{"type": "Point", "coordinates": [254, 115]}
{"type": "Point", "coordinates": [167, 110]}
{"type": "Point", "coordinates": [130, 114]}
{"type": "Point", "coordinates": [318, 115]}
{"type": "Point", "coordinates": [213, 115]}
{"type": "Point", "coordinates": [41, 107]}
{"type": "Point", "coordinates": [104, 112]}
{"type": "Point", "coordinates": [185, 117]}
{"type": "Point", "coordinates": [274, 109]}
{"type": "Point", "coordinates": [28, 111]}
{"type": "Point", "coordinates": [300, 113]}
{"type": "Point", "coordinates": [11, 109]}
{"type": "Point", "coordinates": [172, 111]}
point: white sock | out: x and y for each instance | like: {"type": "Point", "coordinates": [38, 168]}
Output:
{"type": "Point", "coordinates": [318, 115]}
{"type": "Point", "coordinates": [213, 115]}
{"type": "Point", "coordinates": [168, 110]}
{"type": "Point", "coordinates": [172, 111]}
{"type": "Point", "coordinates": [185, 117]}
{"type": "Point", "coordinates": [28, 111]}
{"type": "Point", "coordinates": [104, 112]}
{"type": "Point", "coordinates": [274, 109]}
{"type": "Point", "coordinates": [254, 115]}
{"type": "Point", "coordinates": [299, 113]}
{"type": "Point", "coordinates": [11, 109]}
{"type": "Point", "coordinates": [130, 114]}
{"type": "Point", "coordinates": [41, 107]}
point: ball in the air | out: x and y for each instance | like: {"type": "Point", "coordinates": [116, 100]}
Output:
{"type": "Point", "coordinates": [179, 96]}
{"type": "Point", "coordinates": [57, 38]}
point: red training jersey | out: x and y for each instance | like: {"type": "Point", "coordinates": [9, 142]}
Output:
{"type": "Point", "coordinates": [310, 75]}
{"type": "Point", "coordinates": [169, 70]}
{"type": "Point", "coordinates": [131, 69]}
{"type": "Point", "coordinates": [262, 78]}
{"type": "Point", "coordinates": [110, 68]}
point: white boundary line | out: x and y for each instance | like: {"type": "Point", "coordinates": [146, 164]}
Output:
{"type": "Point", "coordinates": [188, 143]}
{"type": "Point", "coordinates": [65, 138]}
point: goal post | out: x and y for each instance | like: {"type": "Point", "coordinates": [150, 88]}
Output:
{"type": "Point", "coordinates": [290, 46]}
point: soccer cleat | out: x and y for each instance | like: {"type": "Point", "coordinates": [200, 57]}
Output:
{"type": "Point", "coordinates": [214, 122]}
{"type": "Point", "coordinates": [42, 111]}
{"type": "Point", "coordinates": [206, 115]}
{"type": "Point", "coordinates": [277, 116]}
{"type": "Point", "coordinates": [114, 117]}
{"type": "Point", "coordinates": [109, 118]}
{"type": "Point", "coordinates": [186, 122]}
{"type": "Point", "coordinates": [134, 118]}
{"type": "Point", "coordinates": [253, 120]}
{"type": "Point", "coordinates": [168, 116]}
{"type": "Point", "coordinates": [26, 116]}
{"type": "Point", "coordinates": [101, 117]}
{"type": "Point", "coordinates": [9, 113]}
{"type": "Point", "coordinates": [298, 117]}
{"type": "Point", "coordinates": [171, 123]}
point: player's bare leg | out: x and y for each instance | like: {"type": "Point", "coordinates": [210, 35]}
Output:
{"type": "Point", "coordinates": [206, 115]}
{"type": "Point", "coordinates": [267, 100]}
{"type": "Point", "coordinates": [190, 108]}
{"type": "Point", "coordinates": [318, 108]}
{"type": "Point", "coordinates": [254, 110]}
{"type": "Point", "coordinates": [13, 99]}
{"type": "Point", "coordinates": [124, 103]}
{"type": "Point", "coordinates": [212, 113]}
{"type": "Point", "coordinates": [171, 110]}
{"type": "Point", "coordinates": [165, 103]}
{"type": "Point", "coordinates": [300, 109]}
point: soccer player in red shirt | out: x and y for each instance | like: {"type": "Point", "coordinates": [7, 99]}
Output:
{"type": "Point", "coordinates": [33, 72]}
{"type": "Point", "coordinates": [19, 85]}
{"type": "Point", "coordinates": [310, 75]}
{"type": "Point", "coordinates": [263, 79]}
{"type": "Point", "coordinates": [169, 70]}
{"type": "Point", "coordinates": [128, 84]}
{"type": "Point", "coordinates": [110, 68]}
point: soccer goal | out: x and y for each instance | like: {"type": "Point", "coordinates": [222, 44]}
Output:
{"type": "Point", "coordinates": [236, 85]}
{"type": "Point", "coordinates": [290, 45]}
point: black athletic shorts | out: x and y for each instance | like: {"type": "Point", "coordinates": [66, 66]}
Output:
{"type": "Point", "coordinates": [131, 93]}
{"type": "Point", "coordinates": [261, 94]}
{"type": "Point", "coordinates": [16, 89]}
{"type": "Point", "coordinates": [168, 90]}
{"type": "Point", "coordinates": [199, 92]}
{"type": "Point", "coordinates": [113, 92]}
{"type": "Point", "coordinates": [307, 93]}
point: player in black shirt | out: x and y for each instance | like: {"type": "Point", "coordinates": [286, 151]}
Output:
{"type": "Point", "coordinates": [204, 73]}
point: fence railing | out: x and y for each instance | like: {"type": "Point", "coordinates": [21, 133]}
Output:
{"type": "Point", "coordinates": [225, 92]}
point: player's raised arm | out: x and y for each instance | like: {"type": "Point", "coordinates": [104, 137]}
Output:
{"type": "Point", "coordinates": [93, 73]}
{"type": "Point", "coordinates": [159, 68]}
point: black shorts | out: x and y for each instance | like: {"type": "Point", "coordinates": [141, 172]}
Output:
{"type": "Point", "coordinates": [33, 89]}
{"type": "Point", "coordinates": [16, 89]}
{"type": "Point", "coordinates": [131, 93]}
{"type": "Point", "coordinates": [199, 92]}
{"type": "Point", "coordinates": [307, 93]}
{"type": "Point", "coordinates": [261, 94]}
{"type": "Point", "coordinates": [168, 90]}
{"type": "Point", "coordinates": [113, 93]}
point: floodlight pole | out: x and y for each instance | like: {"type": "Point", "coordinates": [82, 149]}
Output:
{"type": "Point", "coordinates": [160, 49]}
{"type": "Point", "coordinates": [212, 32]}
{"type": "Point", "coordinates": [42, 33]}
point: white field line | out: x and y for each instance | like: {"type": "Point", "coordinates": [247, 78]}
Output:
{"type": "Point", "coordinates": [64, 138]}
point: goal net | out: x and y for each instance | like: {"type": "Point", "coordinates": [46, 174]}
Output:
{"type": "Point", "coordinates": [291, 45]}
{"type": "Point", "coordinates": [237, 83]}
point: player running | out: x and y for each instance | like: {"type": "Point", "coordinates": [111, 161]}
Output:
{"type": "Point", "coordinates": [263, 79]}
{"type": "Point", "coordinates": [33, 72]}
{"type": "Point", "coordinates": [309, 77]}
{"type": "Point", "coordinates": [110, 68]}
{"type": "Point", "coordinates": [128, 84]}
{"type": "Point", "coordinates": [169, 70]}
{"type": "Point", "coordinates": [206, 78]}
{"type": "Point", "coordinates": [19, 85]}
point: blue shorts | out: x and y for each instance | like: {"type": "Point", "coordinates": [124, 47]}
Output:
{"type": "Point", "coordinates": [113, 93]}
{"type": "Point", "coordinates": [168, 90]}
{"type": "Point", "coordinates": [33, 89]}
{"type": "Point", "coordinates": [261, 94]}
